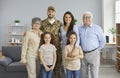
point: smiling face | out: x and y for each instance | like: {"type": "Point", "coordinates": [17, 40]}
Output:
{"type": "Point", "coordinates": [87, 19]}
{"type": "Point", "coordinates": [36, 25]}
{"type": "Point", "coordinates": [68, 18]}
{"type": "Point", "coordinates": [72, 39]}
{"type": "Point", "coordinates": [51, 14]}
{"type": "Point", "coordinates": [47, 38]}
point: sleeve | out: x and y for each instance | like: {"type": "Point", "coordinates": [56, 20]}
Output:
{"type": "Point", "coordinates": [101, 38]}
{"type": "Point", "coordinates": [77, 32]}
{"type": "Point", "coordinates": [80, 49]}
{"type": "Point", "coordinates": [41, 49]}
{"type": "Point", "coordinates": [65, 50]}
{"type": "Point", "coordinates": [54, 49]}
{"type": "Point", "coordinates": [24, 47]}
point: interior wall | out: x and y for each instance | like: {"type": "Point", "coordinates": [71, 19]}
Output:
{"type": "Point", "coordinates": [108, 15]}
{"type": "Point", "coordinates": [25, 10]}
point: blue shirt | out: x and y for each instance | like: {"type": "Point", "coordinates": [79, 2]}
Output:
{"type": "Point", "coordinates": [91, 37]}
{"type": "Point", "coordinates": [64, 37]}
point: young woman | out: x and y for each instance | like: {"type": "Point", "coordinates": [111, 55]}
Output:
{"type": "Point", "coordinates": [69, 25]}
{"type": "Point", "coordinates": [30, 47]}
{"type": "Point", "coordinates": [72, 54]}
{"type": "Point", "coordinates": [47, 55]}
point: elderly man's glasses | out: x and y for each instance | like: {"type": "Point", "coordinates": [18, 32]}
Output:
{"type": "Point", "coordinates": [86, 17]}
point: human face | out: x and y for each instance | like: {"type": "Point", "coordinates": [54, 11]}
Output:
{"type": "Point", "coordinates": [51, 14]}
{"type": "Point", "coordinates": [87, 19]}
{"type": "Point", "coordinates": [72, 39]}
{"type": "Point", "coordinates": [36, 25]}
{"type": "Point", "coordinates": [68, 19]}
{"type": "Point", "coordinates": [47, 38]}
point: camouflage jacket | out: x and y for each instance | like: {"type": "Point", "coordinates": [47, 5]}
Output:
{"type": "Point", "coordinates": [52, 28]}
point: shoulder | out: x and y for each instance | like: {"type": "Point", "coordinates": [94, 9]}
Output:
{"type": "Point", "coordinates": [42, 46]}
{"type": "Point", "coordinates": [52, 45]}
{"type": "Point", "coordinates": [44, 20]}
{"type": "Point", "coordinates": [79, 47]}
{"type": "Point", "coordinates": [75, 28]}
{"type": "Point", "coordinates": [61, 28]}
{"type": "Point", "coordinates": [81, 27]}
{"type": "Point", "coordinates": [58, 22]}
{"type": "Point", "coordinates": [67, 46]}
{"type": "Point", "coordinates": [27, 33]}
{"type": "Point", "coordinates": [96, 26]}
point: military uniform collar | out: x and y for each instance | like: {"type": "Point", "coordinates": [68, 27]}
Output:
{"type": "Point", "coordinates": [55, 22]}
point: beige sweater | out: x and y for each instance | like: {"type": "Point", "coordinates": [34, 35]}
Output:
{"type": "Point", "coordinates": [72, 64]}
{"type": "Point", "coordinates": [30, 45]}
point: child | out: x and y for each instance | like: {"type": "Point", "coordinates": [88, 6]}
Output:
{"type": "Point", "coordinates": [72, 55]}
{"type": "Point", "coordinates": [47, 55]}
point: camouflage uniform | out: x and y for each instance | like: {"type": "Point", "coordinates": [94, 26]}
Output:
{"type": "Point", "coordinates": [54, 29]}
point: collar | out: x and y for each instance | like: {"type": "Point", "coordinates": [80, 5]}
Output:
{"type": "Point", "coordinates": [90, 26]}
{"type": "Point", "coordinates": [53, 22]}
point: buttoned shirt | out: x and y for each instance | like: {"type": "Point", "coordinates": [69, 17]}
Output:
{"type": "Point", "coordinates": [91, 37]}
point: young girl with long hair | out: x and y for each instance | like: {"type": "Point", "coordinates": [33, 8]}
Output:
{"type": "Point", "coordinates": [47, 55]}
{"type": "Point", "coordinates": [72, 55]}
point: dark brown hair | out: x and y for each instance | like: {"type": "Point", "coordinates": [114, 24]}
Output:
{"type": "Point", "coordinates": [72, 22]}
{"type": "Point", "coordinates": [42, 38]}
{"type": "Point", "coordinates": [71, 33]}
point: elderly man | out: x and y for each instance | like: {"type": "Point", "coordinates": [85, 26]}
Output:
{"type": "Point", "coordinates": [92, 40]}
{"type": "Point", "coordinates": [52, 25]}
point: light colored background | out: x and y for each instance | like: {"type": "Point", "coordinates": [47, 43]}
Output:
{"type": "Point", "coordinates": [25, 10]}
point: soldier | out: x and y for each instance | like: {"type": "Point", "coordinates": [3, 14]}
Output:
{"type": "Point", "coordinates": [52, 25]}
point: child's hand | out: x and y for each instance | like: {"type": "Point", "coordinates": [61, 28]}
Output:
{"type": "Point", "coordinates": [51, 68]}
{"type": "Point", "coordinates": [47, 68]}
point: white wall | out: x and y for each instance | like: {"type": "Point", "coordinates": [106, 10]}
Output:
{"type": "Point", "coordinates": [25, 10]}
{"type": "Point", "coordinates": [108, 14]}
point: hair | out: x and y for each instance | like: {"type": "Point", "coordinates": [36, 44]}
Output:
{"type": "Point", "coordinates": [35, 19]}
{"type": "Point", "coordinates": [88, 13]}
{"type": "Point", "coordinates": [71, 23]}
{"type": "Point", "coordinates": [71, 33]}
{"type": "Point", "coordinates": [42, 38]}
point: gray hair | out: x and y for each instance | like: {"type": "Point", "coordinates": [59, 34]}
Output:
{"type": "Point", "coordinates": [35, 19]}
{"type": "Point", "coordinates": [88, 12]}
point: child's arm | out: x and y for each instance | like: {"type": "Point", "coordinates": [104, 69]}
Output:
{"type": "Point", "coordinates": [80, 54]}
{"type": "Point", "coordinates": [54, 60]}
{"type": "Point", "coordinates": [43, 62]}
{"type": "Point", "coordinates": [66, 55]}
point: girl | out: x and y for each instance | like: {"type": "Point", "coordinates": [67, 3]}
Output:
{"type": "Point", "coordinates": [47, 55]}
{"type": "Point", "coordinates": [30, 47]}
{"type": "Point", "coordinates": [72, 54]}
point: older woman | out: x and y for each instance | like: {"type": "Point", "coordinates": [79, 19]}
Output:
{"type": "Point", "coordinates": [30, 47]}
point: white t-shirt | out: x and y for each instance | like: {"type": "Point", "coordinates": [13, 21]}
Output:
{"type": "Point", "coordinates": [47, 53]}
